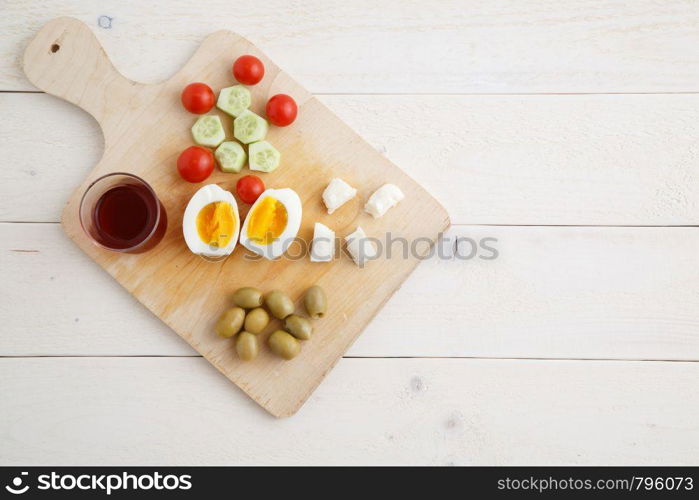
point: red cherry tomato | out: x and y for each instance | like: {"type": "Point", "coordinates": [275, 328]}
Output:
{"type": "Point", "coordinates": [282, 110]}
{"type": "Point", "coordinates": [198, 98]}
{"type": "Point", "coordinates": [248, 70]}
{"type": "Point", "coordinates": [249, 188]}
{"type": "Point", "coordinates": [195, 164]}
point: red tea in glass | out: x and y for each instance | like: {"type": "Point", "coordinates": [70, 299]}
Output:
{"type": "Point", "coordinates": [121, 212]}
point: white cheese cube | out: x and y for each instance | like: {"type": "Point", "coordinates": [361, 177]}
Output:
{"type": "Point", "coordinates": [360, 247]}
{"type": "Point", "coordinates": [323, 248]}
{"type": "Point", "coordinates": [385, 197]}
{"type": "Point", "coordinates": [337, 194]}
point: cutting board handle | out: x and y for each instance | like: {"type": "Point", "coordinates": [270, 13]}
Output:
{"type": "Point", "coordinates": [66, 60]}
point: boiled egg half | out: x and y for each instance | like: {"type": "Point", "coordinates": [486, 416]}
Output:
{"type": "Point", "coordinates": [272, 223]}
{"type": "Point", "coordinates": [211, 222]}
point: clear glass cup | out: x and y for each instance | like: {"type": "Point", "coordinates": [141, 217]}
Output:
{"type": "Point", "coordinates": [122, 213]}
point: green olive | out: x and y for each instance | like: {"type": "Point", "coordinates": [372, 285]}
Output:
{"type": "Point", "coordinates": [230, 322]}
{"type": "Point", "coordinates": [247, 297]}
{"type": "Point", "coordinates": [299, 327]}
{"type": "Point", "coordinates": [256, 320]}
{"type": "Point", "coordinates": [279, 304]}
{"type": "Point", "coordinates": [316, 302]}
{"type": "Point", "coordinates": [284, 345]}
{"type": "Point", "coordinates": [246, 345]}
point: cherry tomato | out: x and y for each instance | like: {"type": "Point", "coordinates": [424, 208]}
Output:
{"type": "Point", "coordinates": [249, 188]}
{"type": "Point", "coordinates": [282, 110]}
{"type": "Point", "coordinates": [248, 70]}
{"type": "Point", "coordinates": [198, 98]}
{"type": "Point", "coordinates": [195, 164]}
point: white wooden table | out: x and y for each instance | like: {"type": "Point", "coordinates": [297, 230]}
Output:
{"type": "Point", "coordinates": [568, 131]}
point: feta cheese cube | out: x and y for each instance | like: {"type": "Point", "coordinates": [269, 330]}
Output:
{"type": "Point", "coordinates": [337, 194]}
{"type": "Point", "coordinates": [385, 197]}
{"type": "Point", "coordinates": [360, 247]}
{"type": "Point", "coordinates": [323, 248]}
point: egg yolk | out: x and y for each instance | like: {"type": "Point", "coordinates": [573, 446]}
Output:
{"type": "Point", "coordinates": [215, 224]}
{"type": "Point", "coordinates": [267, 221]}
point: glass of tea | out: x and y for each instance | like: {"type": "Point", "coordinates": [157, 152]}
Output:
{"type": "Point", "coordinates": [121, 212]}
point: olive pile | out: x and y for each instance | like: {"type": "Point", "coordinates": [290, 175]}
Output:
{"type": "Point", "coordinates": [284, 343]}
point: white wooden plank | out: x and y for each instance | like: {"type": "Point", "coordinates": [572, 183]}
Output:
{"type": "Point", "coordinates": [54, 299]}
{"type": "Point", "coordinates": [398, 45]}
{"type": "Point", "coordinates": [587, 160]}
{"type": "Point", "coordinates": [49, 147]}
{"type": "Point", "coordinates": [611, 293]}
{"type": "Point", "coordinates": [179, 411]}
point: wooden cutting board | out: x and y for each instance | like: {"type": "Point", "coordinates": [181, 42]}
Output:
{"type": "Point", "coordinates": [145, 128]}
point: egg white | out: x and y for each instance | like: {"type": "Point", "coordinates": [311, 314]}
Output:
{"type": "Point", "coordinates": [208, 194]}
{"type": "Point", "coordinates": [276, 248]}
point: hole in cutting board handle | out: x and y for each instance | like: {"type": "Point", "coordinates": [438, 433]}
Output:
{"type": "Point", "coordinates": [55, 48]}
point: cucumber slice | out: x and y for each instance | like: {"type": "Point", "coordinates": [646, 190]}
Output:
{"type": "Point", "coordinates": [234, 100]}
{"type": "Point", "coordinates": [249, 127]}
{"type": "Point", "coordinates": [208, 131]}
{"type": "Point", "coordinates": [263, 156]}
{"type": "Point", "coordinates": [230, 156]}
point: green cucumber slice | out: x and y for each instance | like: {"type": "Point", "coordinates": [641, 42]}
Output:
{"type": "Point", "coordinates": [234, 100]}
{"type": "Point", "coordinates": [263, 156]}
{"type": "Point", "coordinates": [208, 131]}
{"type": "Point", "coordinates": [230, 157]}
{"type": "Point", "coordinates": [249, 127]}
